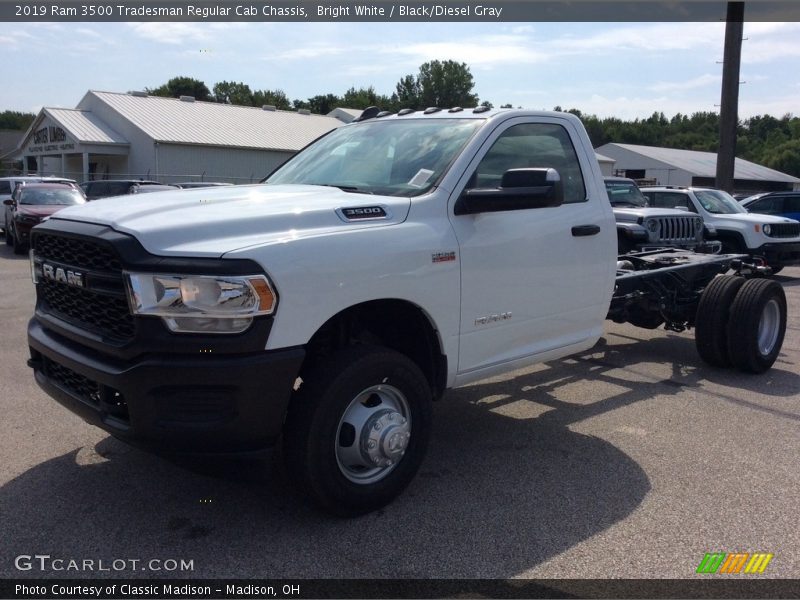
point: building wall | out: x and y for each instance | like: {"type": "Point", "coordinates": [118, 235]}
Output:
{"type": "Point", "coordinates": [180, 162]}
{"type": "Point", "coordinates": [141, 156]}
{"type": "Point", "coordinates": [606, 167]}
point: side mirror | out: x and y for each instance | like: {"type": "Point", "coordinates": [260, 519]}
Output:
{"type": "Point", "coordinates": [520, 189]}
{"type": "Point", "coordinates": [9, 202]}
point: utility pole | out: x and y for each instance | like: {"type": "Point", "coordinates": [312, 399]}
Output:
{"type": "Point", "coordinates": [729, 100]}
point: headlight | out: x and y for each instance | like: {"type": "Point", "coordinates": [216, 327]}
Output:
{"type": "Point", "coordinates": [201, 303]}
{"type": "Point", "coordinates": [652, 225]}
{"type": "Point", "coordinates": [767, 229]}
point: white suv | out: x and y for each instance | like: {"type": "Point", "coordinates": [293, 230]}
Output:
{"type": "Point", "coordinates": [776, 239]}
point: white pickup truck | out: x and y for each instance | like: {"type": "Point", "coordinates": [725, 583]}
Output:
{"type": "Point", "coordinates": [325, 310]}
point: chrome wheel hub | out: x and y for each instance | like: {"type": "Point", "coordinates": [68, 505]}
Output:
{"type": "Point", "coordinates": [769, 327]}
{"type": "Point", "coordinates": [385, 437]}
{"type": "Point", "coordinates": [373, 434]}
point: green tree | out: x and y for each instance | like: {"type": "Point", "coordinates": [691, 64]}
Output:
{"type": "Point", "coordinates": [406, 94]}
{"type": "Point", "coordinates": [276, 98]}
{"type": "Point", "coordinates": [12, 119]}
{"type": "Point", "coordinates": [784, 157]}
{"type": "Point", "coordinates": [231, 92]}
{"type": "Point", "coordinates": [182, 86]}
{"type": "Point", "coordinates": [438, 83]}
{"type": "Point", "coordinates": [446, 84]}
{"type": "Point", "coordinates": [323, 104]}
{"type": "Point", "coordinates": [364, 97]}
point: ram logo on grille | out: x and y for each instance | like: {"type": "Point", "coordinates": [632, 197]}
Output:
{"type": "Point", "coordinates": [62, 275]}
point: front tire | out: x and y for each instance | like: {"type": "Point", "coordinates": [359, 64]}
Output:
{"type": "Point", "coordinates": [757, 325]}
{"type": "Point", "coordinates": [357, 429]}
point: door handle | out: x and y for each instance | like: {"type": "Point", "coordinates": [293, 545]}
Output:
{"type": "Point", "coordinates": [584, 230]}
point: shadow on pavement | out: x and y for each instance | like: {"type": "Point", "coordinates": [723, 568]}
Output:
{"type": "Point", "coordinates": [506, 485]}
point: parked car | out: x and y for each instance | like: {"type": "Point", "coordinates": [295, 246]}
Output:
{"type": "Point", "coordinates": [200, 184]}
{"type": "Point", "coordinates": [33, 202]}
{"type": "Point", "coordinates": [102, 188]}
{"type": "Point", "coordinates": [9, 184]}
{"type": "Point", "coordinates": [775, 239]}
{"type": "Point", "coordinates": [641, 227]}
{"type": "Point", "coordinates": [782, 204]}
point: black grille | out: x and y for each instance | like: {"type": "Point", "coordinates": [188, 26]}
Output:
{"type": "Point", "coordinates": [81, 386]}
{"type": "Point", "coordinates": [100, 305]}
{"type": "Point", "coordinates": [107, 400]}
{"type": "Point", "coordinates": [784, 230]}
{"type": "Point", "coordinates": [78, 253]}
{"type": "Point", "coordinates": [108, 315]}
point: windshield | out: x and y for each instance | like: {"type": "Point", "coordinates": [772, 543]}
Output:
{"type": "Point", "coordinates": [394, 158]}
{"type": "Point", "coordinates": [718, 202]}
{"type": "Point", "coordinates": [625, 193]}
{"type": "Point", "coordinates": [50, 196]}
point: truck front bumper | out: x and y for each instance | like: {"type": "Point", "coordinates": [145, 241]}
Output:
{"type": "Point", "coordinates": [780, 254]}
{"type": "Point", "coordinates": [188, 403]}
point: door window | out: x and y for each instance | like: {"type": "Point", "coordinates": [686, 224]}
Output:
{"type": "Point", "coordinates": [670, 200]}
{"type": "Point", "coordinates": [768, 206]}
{"type": "Point", "coordinates": [537, 145]}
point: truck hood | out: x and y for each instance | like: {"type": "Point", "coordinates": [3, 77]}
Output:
{"type": "Point", "coordinates": [748, 218]}
{"type": "Point", "coordinates": [213, 221]}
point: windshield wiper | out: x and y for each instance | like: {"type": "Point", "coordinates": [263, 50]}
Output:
{"type": "Point", "coordinates": [346, 188]}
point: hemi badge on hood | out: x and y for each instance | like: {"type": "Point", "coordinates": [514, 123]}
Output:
{"type": "Point", "coordinates": [362, 213]}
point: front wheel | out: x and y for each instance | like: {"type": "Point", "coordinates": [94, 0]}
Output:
{"type": "Point", "coordinates": [357, 429]}
{"type": "Point", "coordinates": [757, 325]}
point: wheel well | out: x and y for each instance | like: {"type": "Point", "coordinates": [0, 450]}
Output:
{"type": "Point", "coordinates": [396, 324]}
{"type": "Point", "coordinates": [732, 237]}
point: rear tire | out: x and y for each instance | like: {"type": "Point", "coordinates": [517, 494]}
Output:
{"type": "Point", "coordinates": [711, 320]}
{"type": "Point", "coordinates": [357, 429]}
{"type": "Point", "coordinates": [757, 325]}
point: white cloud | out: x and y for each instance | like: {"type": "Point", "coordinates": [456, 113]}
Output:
{"type": "Point", "coordinates": [660, 37]}
{"type": "Point", "coordinates": [677, 86]}
{"type": "Point", "coordinates": [176, 34]}
{"type": "Point", "coordinates": [309, 51]}
{"type": "Point", "coordinates": [484, 52]}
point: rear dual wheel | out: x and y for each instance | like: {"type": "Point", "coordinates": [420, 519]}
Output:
{"type": "Point", "coordinates": [741, 323]}
{"type": "Point", "coordinates": [757, 325]}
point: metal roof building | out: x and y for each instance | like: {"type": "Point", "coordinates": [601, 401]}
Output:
{"type": "Point", "coordinates": [668, 166]}
{"type": "Point", "coordinates": [133, 135]}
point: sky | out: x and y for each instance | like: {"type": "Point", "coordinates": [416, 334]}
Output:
{"type": "Point", "coordinates": [626, 70]}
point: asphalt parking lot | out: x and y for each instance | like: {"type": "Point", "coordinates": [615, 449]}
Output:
{"type": "Point", "coordinates": [631, 460]}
